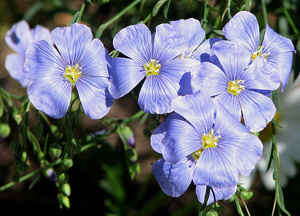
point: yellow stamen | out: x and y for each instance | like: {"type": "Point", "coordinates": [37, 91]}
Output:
{"type": "Point", "coordinates": [235, 87]}
{"type": "Point", "coordinates": [72, 73]}
{"type": "Point", "coordinates": [259, 52]}
{"type": "Point", "coordinates": [209, 140]}
{"type": "Point", "coordinates": [152, 67]}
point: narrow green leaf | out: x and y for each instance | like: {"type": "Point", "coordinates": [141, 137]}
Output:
{"type": "Point", "coordinates": [238, 206]}
{"type": "Point", "coordinates": [36, 7]}
{"type": "Point", "coordinates": [34, 181]}
{"type": "Point", "coordinates": [166, 9]}
{"type": "Point", "coordinates": [1, 107]}
{"type": "Point", "coordinates": [157, 6]}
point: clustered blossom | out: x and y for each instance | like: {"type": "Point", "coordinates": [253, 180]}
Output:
{"type": "Point", "coordinates": [215, 91]}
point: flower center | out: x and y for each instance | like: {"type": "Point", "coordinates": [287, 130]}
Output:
{"type": "Point", "coordinates": [259, 52]}
{"type": "Point", "coordinates": [209, 140]}
{"type": "Point", "coordinates": [152, 67]}
{"type": "Point", "coordinates": [72, 73]}
{"type": "Point", "coordinates": [235, 87]}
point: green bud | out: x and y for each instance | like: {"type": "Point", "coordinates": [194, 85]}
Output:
{"type": "Point", "coordinates": [232, 198]}
{"type": "Point", "coordinates": [24, 156]}
{"type": "Point", "coordinates": [4, 130]}
{"type": "Point", "coordinates": [62, 177]}
{"type": "Point", "coordinates": [212, 213]}
{"type": "Point", "coordinates": [246, 195]}
{"type": "Point", "coordinates": [55, 152]}
{"type": "Point", "coordinates": [54, 129]}
{"type": "Point", "coordinates": [17, 117]}
{"type": "Point", "coordinates": [41, 155]}
{"type": "Point", "coordinates": [66, 189]}
{"type": "Point", "coordinates": [67, 163]}
{"type": "Point", "coordinates": [64, 200]}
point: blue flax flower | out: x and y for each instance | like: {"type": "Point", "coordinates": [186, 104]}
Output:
{"type": "Point", "coordinates": [19, 38]}
{"type": "Point", "coordinates": [273, 58]}
{"type": "Point", "coordinates": [203, 143]}
{"type": "Point", "coordinates": [154, 57]}
{"type": "Point", "coordinates": [235, 87]}
{"type": "Point", "coordinates": [75, 59]}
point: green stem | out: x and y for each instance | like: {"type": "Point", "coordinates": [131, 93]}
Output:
{"type": "Point", "coordinates": [205, 14]}
{"type": "Point", "coordinates": [8, 94]}
{"type": "Point", "coordinates": [134, 117]}
{"type": "Point", "coordinates": [290, 21]}
{"type": "Point", "coordinates": [264, 9]}
{"type": "Point", "coordinates": [28, 176]}
{"type": "Point", "coordinates": [103, 26]}
{"type": "Point", "coordinates": [248, 5]}
{"type": "Point", "coordinates": [81, 11]}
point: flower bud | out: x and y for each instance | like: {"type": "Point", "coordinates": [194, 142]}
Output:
{"type": "Point", "coordinates": [55, 152]}
{"type": "Point", "coordinates": [212, 213]}
{"type": "Point", "coordinates": [24, 156]}
{"type": "Point", "coordinates": [67, 163]}
{"type": "Point", "coordinates": [246, 195]}
{"type": "Point", "coordinates": [62, 177]}
{"type": "Point", "coordinates": [4, 130]}
{"type": "Point", "coordinates": [66, 189]}
{"type": "Point", "coordinates": [64, 200]}
{"type": "Point", "coordinates": [50, 173]}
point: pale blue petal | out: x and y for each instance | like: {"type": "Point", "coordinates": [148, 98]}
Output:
{"type": "Point", "coordinates": [94, 97]}
{"type": "Point", "coordinates": [191, 32]}
{"type": "Point", "coordinates": [135, 41]}
{"type": "Point", "coordinates": [185, 84]}
{"type": "Point", "coordinates": [210, 79]}
{"type": "Point", "coordinates": [14, 64]}
{"type": "Point", "coordinates": [51, 96]}
{"type": "Point", "coordinates": [93, 60]}
{"type": "Point", "coordinates": [41, 33]}
{"type": "Point", "coordinates": [43, 62]}
{"type": "Point", "coordinates": [70, 41]}
{"type": "Point", "coordinates": [204, 53]}
{"type": "Point", "coordinates": [198, 109]}
{"type": "Point", "coordinates": [216, 193]}
{"type": "Point", "coordinates": [242, 148]}
{"type": "Point", "coordinates": [231, 103]}
{"type": "Point", "coordinates": [244, 30]}
{"type": "Point", "coordinates": [216, 168]}
{"type": "Point", "coordinates": [156, 140]}
{"type": "Point", "coordinates": [233, 58]}
{"type": "Point", "coordinates": [173, 179]}
{"type": "Point", "coordinates": [258, 110]}
{"type": "Point", "coordinates": [19, 37]}
{"type": "Point", "coordinates": [181, 139]}
{"type": "Point", "coordinates": [125, 74]}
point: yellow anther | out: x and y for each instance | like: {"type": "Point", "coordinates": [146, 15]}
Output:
{"type": "Point", "coordinates": [152, 67]}
{"type": "Point", "coordinates": [235, 87]}
{"type": "Point", "coordinates": [72, 73]}
{"type": "Point", "coordinates": [259, 52]}
{"type": "Point", "coordinates": [209, 140]}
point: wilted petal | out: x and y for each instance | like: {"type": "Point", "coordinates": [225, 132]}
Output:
{"type": "Point", "coordinates": [71, 41]}
{"type": "Point", "coordinates": [135, 41]}
{"type": "Point", "coordinates": [94, 96]}
{"type": "Point", "coordinates": [125, 74]}
{"type": "Point", "coordinates": [173, 178]}
{"type": "Point", "coordinates": [216, 193]}
{"type": "Point", "coordinates": [19, 37]}
{"type": "Point", "coordinates": [244, 30]}
{"type": "Point", "coordinates": [14, 64]}
{"type": "Point", "coordinates": [258, 110]}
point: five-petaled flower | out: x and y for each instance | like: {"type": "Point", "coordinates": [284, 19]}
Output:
{"type": "Point", "coordinates": [75, 60]}
{"type": "Point", "coordinates": [203, 143]}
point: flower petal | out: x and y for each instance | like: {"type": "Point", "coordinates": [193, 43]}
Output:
{"type": "Point", "coordinates": [210, 79]}
{"type": "Point", "coordinates": [198, 109]}
{"type": "Point", "coordinates": [135, 41]}
{"type": "Point", "coordinates": [157, 137]}
{"type": "Point", "coordinates": [241, 147]}
{"type": "Point", "coordinates": [125, 74]}
{"type": "Point", "coordinates": [258, 110]}
{"type": "Point", "coordinates": [70, 41]}
{"type": "Point", "coordinates": [231, 103]}
{"type": "Point", "coordinates": [244, 30]}
{"type": "Point", "coordinates": [181, 139]}
{"type": "Point", "coordinates": [233, 59]}
{"type": "Point", "coordinates": [41, 33]}
{"type": "Point", "coordinates": [14, 64]}
{"type": "Point", "coordinates": [51, 96]}
{"type": "Point", "coordinates": [94, 97]}
{"type": "Point", "coordinates": [215, 194]}
{"type": "Point", "coordinates": [203, 53]}
{"type": "Point", "coordinates": [93, 59]}
{"type": "Point", "coordinates": [173, 179]}
{"type": "Point", "coordinates": [19, 37]}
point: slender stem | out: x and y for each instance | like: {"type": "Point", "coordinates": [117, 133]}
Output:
{"type": "Point", "coordinates": [103, 26]}
{"type": "Point", "coordinates": [265, 14]}
{"type": "Point", "coordinates": [81, 11]}
{"type": "Point", "coordinates": [8, 94]}
{"type": "Point", "coordinates": [274, 205]}
{"type": "Point", "coordinates": [248, 5]}
{"type": "Point", "coordinates": [205, 14]}
{"type": "Point", "coordinates": [28, 176]}
{"type": "Point", "coordinates": [245, 205]}
{"type": "Point", "coordinates": [290, 21]}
